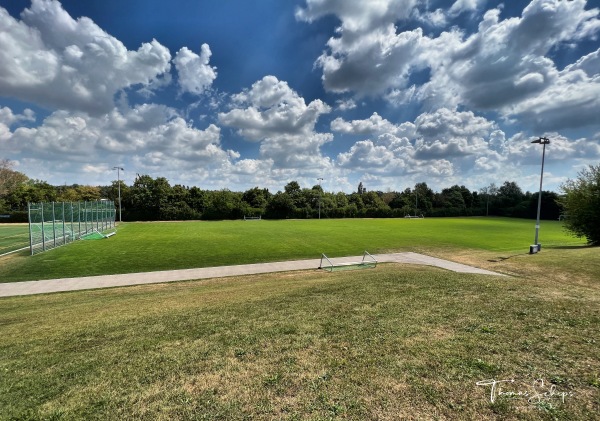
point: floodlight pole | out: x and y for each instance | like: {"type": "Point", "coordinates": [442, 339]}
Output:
{"type": "Point", "coordinates": [416, 200]}
{"type": "Point", "coordinates": [119, 169]}
{"type": "Point", "coordinates": [543, 141]}
{"type": "Point", "coordinates": [319, 180]}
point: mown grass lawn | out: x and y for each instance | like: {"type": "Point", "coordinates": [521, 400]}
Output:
{"type": "Point", "coordinates": [395, 342]}
{"type": "Point", "coordinates": [13, 237]}
{"type": "Point", "coordinates": [141, 247]}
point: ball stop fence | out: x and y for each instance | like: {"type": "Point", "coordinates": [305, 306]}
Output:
{"type": "Point", "coordinates": [54, 224]}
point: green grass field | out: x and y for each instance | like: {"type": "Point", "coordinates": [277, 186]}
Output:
{"type": "Point", "coordinates": [394, 342]}
{"type": "Point", "coordinates": [13, 237]}
{"type": "Point", "coordinates": [141, 247]}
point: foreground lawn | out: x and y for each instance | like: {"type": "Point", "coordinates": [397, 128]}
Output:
{"type": "Point", "coordinates": [141, 247]}
{"type": "Point", "coordinates": [395, 342]}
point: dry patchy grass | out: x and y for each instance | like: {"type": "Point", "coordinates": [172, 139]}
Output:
{"type": "Point", "coordinates": [397, 342]}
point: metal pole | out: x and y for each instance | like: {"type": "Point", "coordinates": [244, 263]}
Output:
{"type": "Point", "coordinates": [53, 225]}
{"type": "Point", "coordinates": [416, 201]}
{"type": "Point", "coordinates": [539, 207]}
{"type": "Point", "coordinates": [319, 179]}
{"type": "Point", "coordinates": [72, 220]}
{"type": "Point", "coordinates": [119, 184]}
{"type": "Point", "coordinates": [537, 246]}
{"type": "Point", "coordinates": [63, 227]}
{"type": "Point", "coordinates": [119, 169]}
{"type": "Point", "coordinates": [30, 234]}
{"type": "Point", "coordinates": [43, 232]}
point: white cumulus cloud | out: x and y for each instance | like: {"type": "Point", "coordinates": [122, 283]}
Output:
{"type": "Point", "coordinates": [374, 125]}
{"type": "Point", "coordinates": [275, 115]}
{"type": "Point", "coordinates": [56, 61]}
{"type": "Point", "coordinates": [152, 136]}
{"type": "Point", "coordinates": [504, 66]}
{"type": "Point", "coordinates": [440, 144]}
{"type": "Point", "coordinates": [195, 73]}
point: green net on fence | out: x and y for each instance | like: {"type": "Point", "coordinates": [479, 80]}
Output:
{"type": "Point", "coordinates": [53, 224]}
{"type": "Point", "coordinates": [93, 236]}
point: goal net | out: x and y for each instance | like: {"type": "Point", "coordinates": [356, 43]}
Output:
{"type": "Point", "coordinates": [54, 224]}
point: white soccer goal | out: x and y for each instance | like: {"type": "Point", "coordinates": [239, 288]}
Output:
{"type": "Point", "coordinates": [367, 262]}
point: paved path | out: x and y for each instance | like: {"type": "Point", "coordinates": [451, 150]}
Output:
{"type": "Point", "coordinates": [106, 281]}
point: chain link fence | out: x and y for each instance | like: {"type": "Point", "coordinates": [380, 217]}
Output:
{"type": "Point", "coordinates": [53, 224]}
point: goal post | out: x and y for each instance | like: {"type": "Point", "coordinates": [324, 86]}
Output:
{"type": "Point", "coordinates": [367, 262]}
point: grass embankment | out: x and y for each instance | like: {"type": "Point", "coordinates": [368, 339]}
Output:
{"type": "Point", "coordinates": [395, 342]}
{"type": "Point", "coordinates": [141, 247]}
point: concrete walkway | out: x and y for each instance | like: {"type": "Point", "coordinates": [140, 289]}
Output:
{"type": "Point", "coordinates": [107, 281]}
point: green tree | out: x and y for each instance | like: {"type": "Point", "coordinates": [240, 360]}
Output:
{"type": "Point", "coordinates": [147, 197]}
{"type": "Point", "coordinates": [33, 191]}
{"type": "Point", "coordinates": [452, 198]}
{"type": "Point", "coordinates": [293, 188]}
{"type": "Point", "coordinates": [9, 178]}
{"type": "Point", "coordinates": [510, 194]}
{"type": "Point", "coordinates": [197, 199]}
{"type": "Point", "coordinates": [294, 191]}
{"type": "Point", "coordinates": [374, 205]}
{"type": "Point", "coordinates": [177, 207]}
{"type": "Point", "coordinates": [224, 204]}
{"type": "Point", "coordinates": [280, 206]}
{"type": "Point", "coordinates": [467, 196]}
{"type": "Point", "coordinates": [489, 193]}
{"type": "Point", "coordinates": [551, 208]}
{"type": "Point", "coordinates": [76, 193]}
{"type": "Point", "coordinates": [424, 196]}
{"type": "Point", "coordinates": [256, 198]}
{"type": "Point", "coordinates": [581, 203]}
{"type": "Point", "coordinates": [356, 200]}
{"type": "Point", "coordinates": [341, 200]}
{"type": "Point", "coordinates": [328, 205]}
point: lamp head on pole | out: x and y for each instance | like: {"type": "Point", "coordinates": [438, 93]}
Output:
{"type": "Point", "coordinates": [541, 141]}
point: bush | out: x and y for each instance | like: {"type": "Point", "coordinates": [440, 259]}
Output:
{"type": "Point", "coordinates": [582, 204]}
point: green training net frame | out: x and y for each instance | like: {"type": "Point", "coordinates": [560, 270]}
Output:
{"type": "Point", "coordinates": [53, 224]}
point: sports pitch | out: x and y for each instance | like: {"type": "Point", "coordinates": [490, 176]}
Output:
{"type": "Point", "coordinates": [395, 342]}
{"type": "Point", "coordinates": [13, 237]}
{"type": "Point", "coordinates": [144, 247]}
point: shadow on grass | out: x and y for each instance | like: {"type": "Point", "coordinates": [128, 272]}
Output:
{"type": "Point", "coordinates": [501, 258]}
{"type": "Point", "coordinates": [556, 247]}
{"type": "Point", "coordinates": [576, 247]}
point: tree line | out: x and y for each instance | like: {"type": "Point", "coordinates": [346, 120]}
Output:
{"type": "Point", "coordinates": [151, 198]}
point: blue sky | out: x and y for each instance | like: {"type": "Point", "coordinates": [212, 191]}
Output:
{"type": "Point", "coordinates": [236, 94]}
